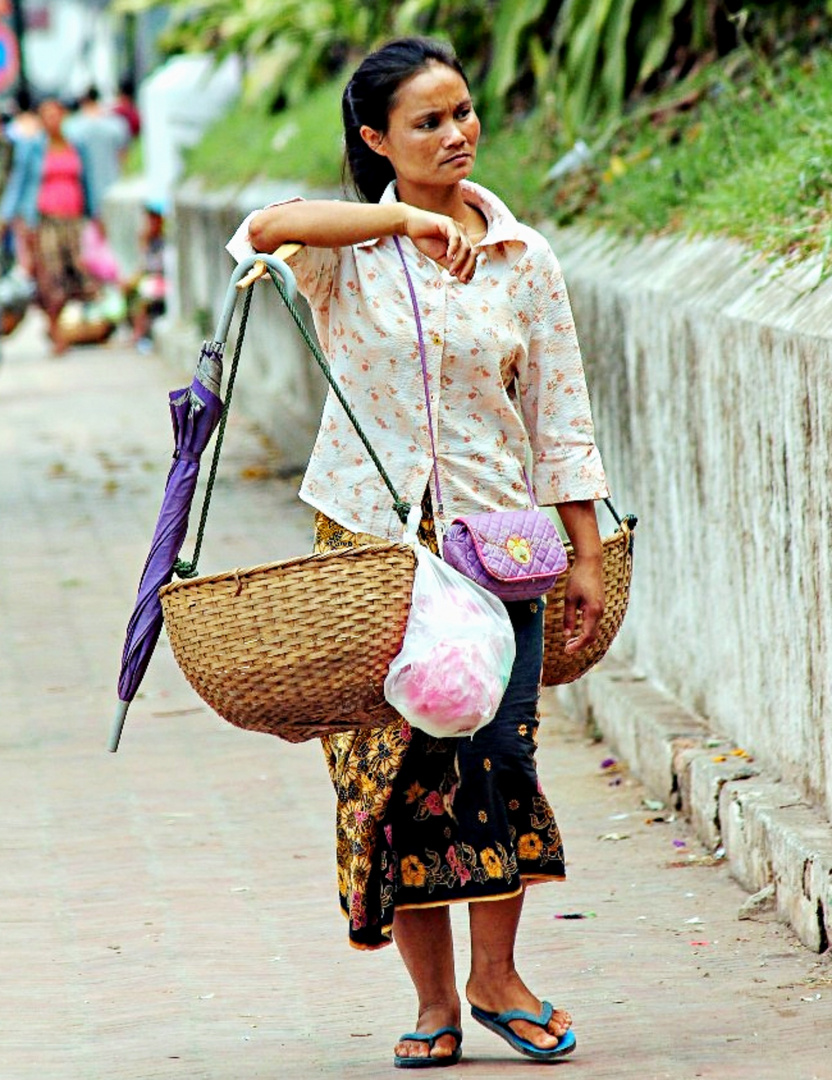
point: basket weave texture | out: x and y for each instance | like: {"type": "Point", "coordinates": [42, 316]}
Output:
{"type": "Point", "coordinates": [560, 667]}
{"type": "Point", "coordinates": [300, 648]}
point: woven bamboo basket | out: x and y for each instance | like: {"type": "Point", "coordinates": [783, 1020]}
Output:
{"type": "Point", "coordinates": [298, 648]}
{"type": "Point", "coordinates": [560, 667]}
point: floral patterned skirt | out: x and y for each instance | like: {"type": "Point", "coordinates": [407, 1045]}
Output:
{"type": "Point", "coordinates": [426, 822]}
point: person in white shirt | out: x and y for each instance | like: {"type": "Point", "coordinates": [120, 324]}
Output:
{"type": "Point", "coordinates": [421, 822]}
{"type": "Point", "coordinates": [105, 136]}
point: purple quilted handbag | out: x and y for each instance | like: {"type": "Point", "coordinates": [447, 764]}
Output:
{"type": "Point", "coordinates": [516, 554]}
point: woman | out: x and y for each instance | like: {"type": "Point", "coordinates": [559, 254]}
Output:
{"type": "Point", "coordinates": [48, 191]}
{"type": "Point", "coordinates": [421, 822]}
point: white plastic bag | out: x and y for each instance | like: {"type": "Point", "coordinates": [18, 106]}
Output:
{"type": "Point", "coordinates": [456, 659]}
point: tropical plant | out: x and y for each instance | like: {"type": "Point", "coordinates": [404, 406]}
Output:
{"type": "Point", "coordinates": [582, 58]}
{"type": "Point", "coordinates": [287, 46]}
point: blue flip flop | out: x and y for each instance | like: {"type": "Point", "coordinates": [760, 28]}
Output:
{"type": "Point", "coordinates": [499, 1024]}
{"type": "Point", "coordinates": [430, 1062]}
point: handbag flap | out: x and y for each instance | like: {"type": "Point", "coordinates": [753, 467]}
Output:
{"type": "Point", "coordinates": [516, 545]}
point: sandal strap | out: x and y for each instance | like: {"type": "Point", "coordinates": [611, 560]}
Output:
{"type": "Point", "coordinates": [418, 1036]}
{"type": "Point", "coordinates": [541, 1019]}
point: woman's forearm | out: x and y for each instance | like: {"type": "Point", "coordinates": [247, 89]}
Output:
{"type": "Point", "coordinates": [323, 223]}
{"type": "Point", "coordinates": [581, 526]}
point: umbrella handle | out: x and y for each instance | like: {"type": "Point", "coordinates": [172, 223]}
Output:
{"type": "Point", "coordinates": [259, 270]}
{"type": "Point", "coordinates": [275, 265]}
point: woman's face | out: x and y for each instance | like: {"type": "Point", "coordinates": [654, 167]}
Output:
{"type": "Point", "coordinates": [52, 117]}
{"type": "Point", "coordinates": [432, 131]}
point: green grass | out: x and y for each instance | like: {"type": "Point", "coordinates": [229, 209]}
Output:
{"type": "Point", "coordinates": [748, 155]}
{"type": "Point", "coordinates": [743, 149]}
{"type": "Point", "coordinates": [248, 143]}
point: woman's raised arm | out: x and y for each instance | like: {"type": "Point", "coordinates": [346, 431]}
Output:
{"type": "Point", "coordinates": [324, 223]}
{"type": "Point", "coordinates": [331, 223]}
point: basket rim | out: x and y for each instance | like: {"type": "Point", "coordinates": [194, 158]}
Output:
{"type": "Point", "coordinates": [240, 573]}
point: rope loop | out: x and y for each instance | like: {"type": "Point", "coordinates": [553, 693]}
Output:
{"type": "Point", "coordinates": [184, 569]}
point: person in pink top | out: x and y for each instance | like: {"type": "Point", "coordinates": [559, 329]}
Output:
{"type": "Point", "coordinates": [48, 192]}
{"type": "Point", "coordinates": [421, 822]}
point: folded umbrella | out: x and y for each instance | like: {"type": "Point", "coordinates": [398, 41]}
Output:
{"type": "Point", "coordinates": [195, 413]}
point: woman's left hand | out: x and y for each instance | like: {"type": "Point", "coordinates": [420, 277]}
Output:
{"type": "Point", "coordinates": [584, 594]}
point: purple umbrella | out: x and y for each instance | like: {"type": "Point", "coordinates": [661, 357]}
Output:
{"type": "Point", "coordinates": [195, 412]}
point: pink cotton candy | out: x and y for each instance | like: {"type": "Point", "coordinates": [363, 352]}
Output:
{"type": "Point", "coordinates": [451, 689]}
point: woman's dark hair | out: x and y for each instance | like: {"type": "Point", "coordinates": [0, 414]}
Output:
{"type": "Point", "coordinates": [369, 98]}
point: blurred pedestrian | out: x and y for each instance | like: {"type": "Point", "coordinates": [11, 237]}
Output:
{"type": "Point", "coordinates": [104, 135]}
{"type": "Point", "coordinates": [22, 125]}
{"type": "Point", "coordinates": [146, 291]}
{"type": "Point", "coordinates": [48, 195]}
{"type": "Point", "coordinates": [125, 106]}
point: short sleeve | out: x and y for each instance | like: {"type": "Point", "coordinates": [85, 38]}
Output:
{"type": "Point", "coordinates": [314, 267]}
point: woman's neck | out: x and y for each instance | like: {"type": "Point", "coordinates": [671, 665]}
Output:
{"type": "Point", "coordinates": [439, 200]}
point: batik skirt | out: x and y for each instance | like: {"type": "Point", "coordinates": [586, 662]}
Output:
{"type": "Point", "coordinates": [424, 822]}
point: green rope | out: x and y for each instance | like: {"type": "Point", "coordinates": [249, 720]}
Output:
{"type": "Point", "coordinates": [188, 569]}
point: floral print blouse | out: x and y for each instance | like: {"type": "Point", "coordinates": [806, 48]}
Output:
{"type": "Point", "coordinates": [506, 380]}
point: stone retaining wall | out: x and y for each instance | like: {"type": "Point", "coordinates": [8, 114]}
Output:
{"type": "Point", "coordinates": [711, 378]}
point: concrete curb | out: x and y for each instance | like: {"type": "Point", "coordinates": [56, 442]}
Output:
{"type": "Point", "coordinates": [769, 832]}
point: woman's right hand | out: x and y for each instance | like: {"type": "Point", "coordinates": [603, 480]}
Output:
{"type": "Point", "coordinates": [444, 240]}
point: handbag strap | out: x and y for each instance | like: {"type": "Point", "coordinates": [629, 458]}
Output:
{"type": "Point", "coordinates": [440, 509]}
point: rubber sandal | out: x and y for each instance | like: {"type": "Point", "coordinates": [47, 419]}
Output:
{"type": "Point", "coordinates": [499, 1024]}
{"type": "Point", "coordinates": [430, 1062]}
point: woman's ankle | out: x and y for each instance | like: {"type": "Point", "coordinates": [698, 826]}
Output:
{"type": "Point", "coordinates": [492, 984]}
{"type": "Point", "coordinates": [439, 1013]}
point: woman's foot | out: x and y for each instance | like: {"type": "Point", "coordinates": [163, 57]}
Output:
{"type": "Point", "coordinates": [510, 992]}
{"type": "Point", "coordinates": [432, 1019]}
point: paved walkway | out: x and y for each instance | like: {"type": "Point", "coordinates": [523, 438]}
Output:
{"type": "Point", "coordinates": [170, 912]}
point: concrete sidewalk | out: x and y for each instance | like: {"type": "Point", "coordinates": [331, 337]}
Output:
{"type": "Point", "coordinates": [170, 911]}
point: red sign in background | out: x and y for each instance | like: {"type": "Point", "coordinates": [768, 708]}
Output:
{"type": "Point", "coordinates": [9, 52]}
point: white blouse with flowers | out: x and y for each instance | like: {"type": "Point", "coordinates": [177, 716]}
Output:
{"type": "Point", "coordinates": [504, 371]}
